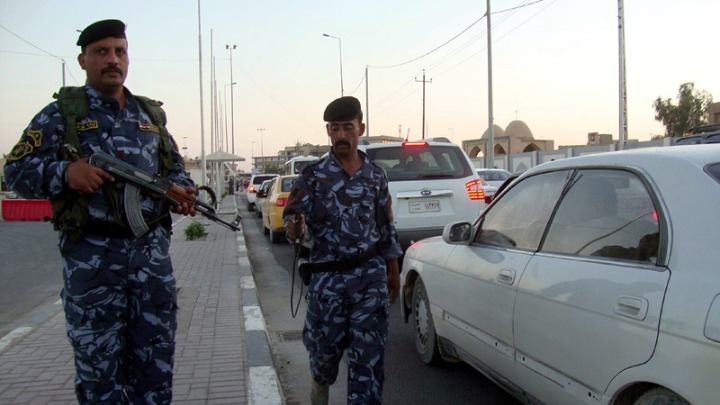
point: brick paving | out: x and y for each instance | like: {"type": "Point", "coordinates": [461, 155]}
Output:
{"type": "Point", "coordinates": [211, 361]}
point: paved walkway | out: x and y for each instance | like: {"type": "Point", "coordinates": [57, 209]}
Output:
{"type": "Point", "coordinates": [222, 354]}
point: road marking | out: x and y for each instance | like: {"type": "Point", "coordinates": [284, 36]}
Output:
{"type": "Point", "coordinates": [253, 318]}
{"type": "Point", "coordinates": [264, 386]}
{"type": "Point", "coordinates": [247, 282]}
{"type": "Point", "coordinates": [16, 334]}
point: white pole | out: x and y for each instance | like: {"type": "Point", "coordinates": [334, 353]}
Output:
{"type": "Point", "coordinates": [202, 114]}
{"type": "Point", "coordinates": [490, 146]}
{"type": "Point", "coordinates": [622, 131]}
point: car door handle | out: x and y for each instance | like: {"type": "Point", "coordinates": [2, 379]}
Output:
{"type": "Point", "coordinates": [506, 276]}
{"type": "Point", "coordinates": [632, 307]}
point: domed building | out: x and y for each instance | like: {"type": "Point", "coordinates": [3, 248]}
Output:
{"type": "Point", "coordinates": [516, 138]}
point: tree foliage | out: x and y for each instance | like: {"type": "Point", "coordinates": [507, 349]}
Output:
{"type": "Point", "coordinates": [691, 110]}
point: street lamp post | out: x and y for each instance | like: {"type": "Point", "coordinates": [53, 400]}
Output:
{"type": "Point", "coordinates": [232, 98]}
{"type": "Point", "coordinates": [225, 97]}
{"type": "Point", "coordinates": [261, 142]}
{"type": "Point", "coordinates": [252, 154]}
{"type": "Point", "coordinates": [342, 88]}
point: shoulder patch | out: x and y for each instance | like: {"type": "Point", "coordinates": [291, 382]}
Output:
{"type": "Point", "coordinates": [33, 137]}
{"type": "Point", "coordinates": [148, 127]}
{"type": "Point", "coordinates": [22, 148]}
{"type": "Point", "coordinates": [86, 126]}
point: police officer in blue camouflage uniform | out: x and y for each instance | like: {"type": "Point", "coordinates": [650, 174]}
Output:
{"type": "Point", "coordinates": [342, 204]}
{"type": "Point", "coordinates": [119, 291]}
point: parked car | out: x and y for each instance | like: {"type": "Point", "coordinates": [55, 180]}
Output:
{"type": "Point", "coordinates": [274, 205]}
{"type": "Point", "coordinates": [260, 195]}
{"type": "Point", "coordinates": [255, 181]}
{"type": "Point", "coordinates": [588, 280]}
{"type": "Point", "coordinates": [492, 179]}
{"type": "Point", "coordinates": [431, 182]}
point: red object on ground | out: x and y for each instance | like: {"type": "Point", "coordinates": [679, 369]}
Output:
{"type": "Point", "coordinates": [26, 210]}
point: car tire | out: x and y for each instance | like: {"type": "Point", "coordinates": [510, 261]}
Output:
{"type": "Point", "coordinates": [251, 206]}
{"type": "Point", "coordinates": [660, 396]}
{"type": "Point", "coordinates": [259, 213]}
{"type": "Point", "coordinates": [426, 343]}
{"type": "Point", "coordinates": [265, 230]}
{"type": "Point", "coordinates": [275, 236]}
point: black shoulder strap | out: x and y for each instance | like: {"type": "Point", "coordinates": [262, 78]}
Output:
{"type": "Point", "coordinates": [73, 105]}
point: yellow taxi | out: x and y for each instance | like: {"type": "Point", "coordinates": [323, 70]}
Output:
{"type": "Point", "coordinates": [273, 205]}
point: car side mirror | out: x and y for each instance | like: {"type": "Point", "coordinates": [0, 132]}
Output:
{"type": "Point", "coordinates": [457, 233]}
{"type": "Point", "coordinates": [261, 194]}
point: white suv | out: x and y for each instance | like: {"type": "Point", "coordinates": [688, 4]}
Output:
{"type": "Point", "coordinates": [255, 181]}
{"type": "Point", "coordinates": [432, 183]}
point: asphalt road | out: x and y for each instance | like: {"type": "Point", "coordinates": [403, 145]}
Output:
{"type": "Point", "coordinates": [408, 380]}
{"type": "Point", "coordinates": [30, 271]}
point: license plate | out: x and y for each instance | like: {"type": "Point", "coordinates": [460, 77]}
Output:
{"type": "Point", "coordinates": [418, 207]}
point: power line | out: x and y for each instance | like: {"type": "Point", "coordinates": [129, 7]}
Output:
{"type": "Point", "coordinates": [455, 37]}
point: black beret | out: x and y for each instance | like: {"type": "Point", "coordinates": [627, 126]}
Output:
{"type": "Point", "coordinates": [343, 109]}
{"type": "Point", "coordinates": [101, 29]}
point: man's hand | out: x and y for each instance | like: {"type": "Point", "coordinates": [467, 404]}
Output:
{"type": "Point", "coordinates": [186, 197]}
{"type": "Point", "coordinates": [296, 227]}
{"type": "Point", "coordinates": [84, 178]}
{"type": "Point", "coordinates": [393, 280]}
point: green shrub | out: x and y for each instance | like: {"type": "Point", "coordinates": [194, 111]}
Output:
{"type": "Point", "coordinates": [195, 230]}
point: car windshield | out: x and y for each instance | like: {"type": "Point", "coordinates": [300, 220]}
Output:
{"type": "Point", "coordinates": [494, 175]}
{"type": "Point", "coordinates": [421, 162]}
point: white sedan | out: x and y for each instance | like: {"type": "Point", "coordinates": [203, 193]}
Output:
{"type": "Point", "coordinates": [589, 280]}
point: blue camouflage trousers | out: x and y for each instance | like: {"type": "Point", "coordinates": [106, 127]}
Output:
{"type": "Point", "coordinates": [349, 311]}
{"type": "Point", "coordinates": [120, 307]}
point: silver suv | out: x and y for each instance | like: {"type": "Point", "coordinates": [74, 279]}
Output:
{"type": "Point", "coordinates": [432, 183]}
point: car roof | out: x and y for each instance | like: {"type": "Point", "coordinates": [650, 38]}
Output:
{"type": "Point", "coordinates": [695, 155]}
{"type": "Point", "coordinates": [430, 142]}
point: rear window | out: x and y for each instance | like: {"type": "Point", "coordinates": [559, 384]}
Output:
{"type": "Point", "coordinates": [261, 179]}
{"type": "Point", "coordinates": [288, 183]}
{"type": "Point", "coordinates": [421, 162]}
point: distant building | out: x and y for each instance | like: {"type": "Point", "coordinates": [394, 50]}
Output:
{"type": "Point", "coordinates": [714, 113]}
{"type": "Point", "coordinates": [516, 138]}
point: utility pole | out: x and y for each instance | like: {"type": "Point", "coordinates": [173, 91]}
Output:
{"type": "Point", "coordinates": [232, 98]}
{"type": "Point", "coordinates": [367, 104]}
{"type": "Point", "coordinates": [622, 132]}
{"type": "Point", "coordinates": [423, 108]}
{"type": "Point", "coordinates": [490, 145]}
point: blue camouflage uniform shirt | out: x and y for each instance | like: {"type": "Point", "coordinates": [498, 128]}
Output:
{"type": "Point", "coordinates": [344, 215]}
{"type": "Point", "coordinates": [33, 169]}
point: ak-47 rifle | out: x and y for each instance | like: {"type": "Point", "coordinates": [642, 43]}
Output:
{"type": "Point", "coordinates": [137, 180]}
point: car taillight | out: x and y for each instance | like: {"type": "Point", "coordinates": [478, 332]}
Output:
{"type": "Point", "coordinates": [414, 144]}
{"type": "Point", "coordinates": [280, 202]}
{"type": "Point", "coordinates": [475, 190]}
{"type": "Point", "coordinates": [252, 189]}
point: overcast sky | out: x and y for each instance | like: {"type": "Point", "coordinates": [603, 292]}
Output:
{"type": "Point", "coordinates": [555, 64]}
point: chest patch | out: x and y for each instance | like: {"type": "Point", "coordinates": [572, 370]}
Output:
{"type": "Point", "coordinates": [148, 127]}
{"type": "Point", "coordinates": [86, 126]}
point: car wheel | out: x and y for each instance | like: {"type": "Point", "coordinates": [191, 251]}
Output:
{"type": "Point", "coordinates": [251, 206]}
{"type": "Point", "coordinates": [259, 213]}
{"type": "Point", "coordinates": [426, 343]}
{"type": "Point", "coordinates": [266, 230]}
{"type": "Point", "coordinates": [660, 396]}
{"type": "Point", "coordinates": [275, 236]}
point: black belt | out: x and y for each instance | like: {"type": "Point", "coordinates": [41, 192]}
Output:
{"type": "Point", "coordinates": [114, 230]}
{"type": "Point", "coordinates": [345, 264]}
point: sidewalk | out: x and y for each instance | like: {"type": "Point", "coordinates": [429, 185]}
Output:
{"type": "Point", "coordinates": [222, 353]}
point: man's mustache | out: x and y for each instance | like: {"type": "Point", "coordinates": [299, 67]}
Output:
{"type": "Point", "coordinates": [112, 69]}
{"type": "Point", "coordinates": [341, 143]}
